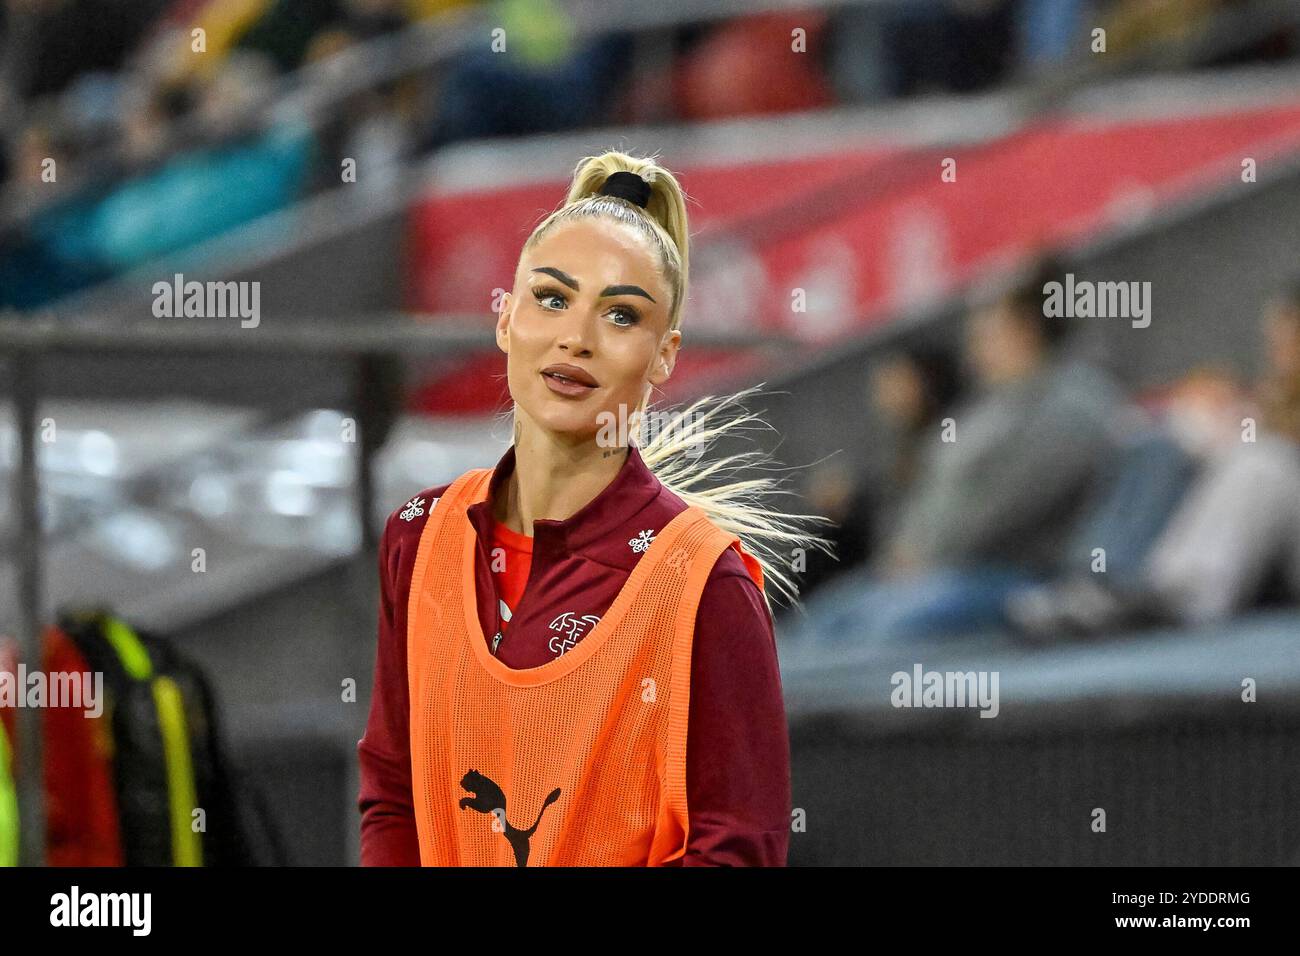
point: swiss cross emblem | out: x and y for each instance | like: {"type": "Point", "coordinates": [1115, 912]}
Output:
{"type": "Point", "coordinates": [415, 508]}
{"type": "Point", "coordinates": [642, 541]}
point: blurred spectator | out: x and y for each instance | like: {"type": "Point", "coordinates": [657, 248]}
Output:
{"type": "Point", "coordinates": [146, 115]}
{"type": "Point", "coordinates": [999, 486]}
{"type": "Point", "coordinates": [1279, 387]}
{"type": "Point", "coordinates": [231, 98]}
{"type": "Point", "coordinates": [1134, 502]}
{"type": "Point", "coordinates": [911, 388]}
{"type": "Point", "coordinates": [1023, 453]}
{"type": "Point", "coordinates": [1237, 529]}
{"type": "Point", "coordinates": [838, 492]}
{"type": "Point", "coordinates": [1132, 25]}
{"type": "Point", "coordinates": [373, 127]}
{"type": "Point", "coordinates": [191, 197]}
{"type": "Point", "coordinates": [58, 40]}
{"type": "Point", "coordinates": [886, 50]}
{"type": "Point", "coordinates": [289, 28]}
{"type": "Point", "coordinates": [1052, 32]}
{"type": "Point", "coordinates": [283, 32]}
{"type": "Point", "coordinates": [38, 142]}
{"type": "Point", "coordinates": [1241, 520]}
{"type": "Point", "coordinates": [543, 82]}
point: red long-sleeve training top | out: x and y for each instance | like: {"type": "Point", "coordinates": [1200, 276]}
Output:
{"type": "Point", "coordinates": [737, 756]}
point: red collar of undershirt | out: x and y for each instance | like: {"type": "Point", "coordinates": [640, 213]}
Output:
{"type": "Point", "coordinates": [634, 487]}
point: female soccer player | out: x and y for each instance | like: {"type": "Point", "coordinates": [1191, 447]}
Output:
{"type": "Point", "coordinates": [576, 662]}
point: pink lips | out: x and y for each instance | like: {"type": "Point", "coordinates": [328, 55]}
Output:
{"type": "Point", "coordinates": [568, 380]}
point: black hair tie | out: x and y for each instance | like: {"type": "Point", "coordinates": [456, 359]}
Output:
{"type": "Point", "coordinates": [627, 186]}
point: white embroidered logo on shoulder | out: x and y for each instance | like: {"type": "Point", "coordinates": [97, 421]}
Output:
{"type": "Point", "coordinates": [641, 543]}
{"type": "Point", "coordinates": [415, 508]}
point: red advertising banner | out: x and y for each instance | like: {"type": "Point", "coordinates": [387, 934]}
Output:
{"type": "Point", "coordinates": [824, 247]}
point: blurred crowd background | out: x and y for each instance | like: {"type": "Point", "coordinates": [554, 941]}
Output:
{"type": "Point", "coordinates": [1106, 513]}
{"type": "Point", "coordinates": [148, 133]}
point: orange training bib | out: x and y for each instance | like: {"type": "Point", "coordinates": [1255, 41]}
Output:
{"type": "Point", "coordinates": [578, 762]}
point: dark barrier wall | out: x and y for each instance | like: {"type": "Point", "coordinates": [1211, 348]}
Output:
{"type": "Point", "coordinates": [1179, 789]}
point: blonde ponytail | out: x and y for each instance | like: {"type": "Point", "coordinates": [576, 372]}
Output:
{"type": "Point", "coordinates": [677, 454]}
{"type": "Point", "coordinates": [676, 450]}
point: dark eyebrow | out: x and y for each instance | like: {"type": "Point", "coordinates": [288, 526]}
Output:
{"type": "Point", "coordinates": [608, 291]}
{"type": "Point", "coordinates": [625, 290]}
{"type": "Point", "coordinates": [564, 277]}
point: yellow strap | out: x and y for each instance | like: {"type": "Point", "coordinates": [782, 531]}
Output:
{"type": "Point", "coordinates": [8, 806]}
{"type": "Point", "coordinates": [187, 846]}
{"type": "Point", "coordinates": [132, 653]}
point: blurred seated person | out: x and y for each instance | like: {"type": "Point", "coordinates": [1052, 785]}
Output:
{"type": "Point", "coordinates": [1234, 538]}
{"type": "Point", "coordinates": [999, 486]}
{"type": "Point", "coordinates": [878, 51]}
{"type": "Point", "coordinates": [911, 388]}
{"type": "Point", "coordinates": [547, 78]}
